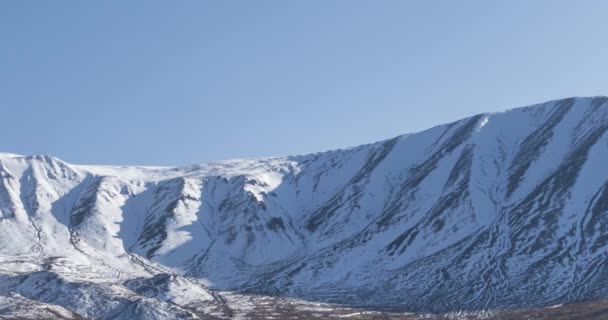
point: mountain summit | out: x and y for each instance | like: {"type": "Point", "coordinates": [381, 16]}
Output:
{"type": "Point", "coordinates": [496, 211]}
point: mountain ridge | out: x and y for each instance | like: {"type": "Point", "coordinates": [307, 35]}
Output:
{"type": "Point", "coordinates": [498, 210]}
{"type": "Point", "coordinates": [14, 155]}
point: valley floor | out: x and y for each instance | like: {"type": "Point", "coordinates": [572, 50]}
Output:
{"type": "Point", "coordinates": [248, 307]}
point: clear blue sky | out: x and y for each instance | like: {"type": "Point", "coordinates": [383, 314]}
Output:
{"type": "Point", "coordinates": [180, 82]}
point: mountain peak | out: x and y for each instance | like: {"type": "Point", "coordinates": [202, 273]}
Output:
{"type": "Point", "coordinates": [499, 210]}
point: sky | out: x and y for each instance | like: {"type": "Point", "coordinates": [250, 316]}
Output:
{"type": "Point", "coordinates": [183, 82]}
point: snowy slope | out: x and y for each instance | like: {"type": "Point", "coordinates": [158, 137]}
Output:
{"type": "Point", "coordinates": [498, 210]}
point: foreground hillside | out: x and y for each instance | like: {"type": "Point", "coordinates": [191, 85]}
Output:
{"type": "Point", "coordinates": [499, 211]}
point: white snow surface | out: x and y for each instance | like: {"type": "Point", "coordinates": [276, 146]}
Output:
{"type": "Point", "coordinates": [487, 197]}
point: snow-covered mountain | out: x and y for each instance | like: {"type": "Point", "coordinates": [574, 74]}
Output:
{"type": "Point", "coordinates": [501, 210]}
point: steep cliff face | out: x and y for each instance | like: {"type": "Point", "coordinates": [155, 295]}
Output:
{"type": "Point", "coordinates": [498, 210]}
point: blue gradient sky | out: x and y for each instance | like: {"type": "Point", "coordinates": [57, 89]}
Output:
{"type": "Point", "coordinates": [179, 82]}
